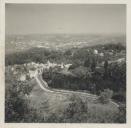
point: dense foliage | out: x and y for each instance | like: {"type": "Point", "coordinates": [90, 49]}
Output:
{"type": "Point", "coordinates": [113, 77]}
{"type": "Point", "coordinates": [16, 104]}
{"type": "Point", "coordinates": [18, 109]}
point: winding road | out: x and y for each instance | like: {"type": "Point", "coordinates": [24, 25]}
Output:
{"type": "Point", "coordinates": [44, 86]}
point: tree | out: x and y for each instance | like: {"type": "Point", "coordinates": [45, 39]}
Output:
{"type": "Point", "coordinates": [87, 62]}
{"type": "Point", "coordinates": [93, 64]}
{"type": "Point", "coordinates": [106, 69]}
{"type": "Point", "coordinates": [106, 65]}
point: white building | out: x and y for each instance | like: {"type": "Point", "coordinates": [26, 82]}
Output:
{"type": "Point", "coordinates": [62, 65]}
{"type": "Point", "coordinates": [95, 51]}
{"type": "Point", "coordinates": [32, 73]}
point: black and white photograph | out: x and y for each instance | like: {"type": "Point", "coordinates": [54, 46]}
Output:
{"type": "Point", "coordinates": [65, 63]}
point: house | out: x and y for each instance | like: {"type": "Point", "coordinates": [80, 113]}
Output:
{"type": "Point", "coordinates": [32, 73]}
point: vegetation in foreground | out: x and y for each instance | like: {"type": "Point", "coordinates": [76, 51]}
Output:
{"type": "Point", "coordinates": [77, 110]}
{"type": "Point", "coordinates": [89, 78]}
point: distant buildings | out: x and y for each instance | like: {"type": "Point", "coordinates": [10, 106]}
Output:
{"type": "Point", "coordinates": [32, 69]}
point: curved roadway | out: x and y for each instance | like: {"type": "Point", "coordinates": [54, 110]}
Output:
{"type": "Point", "coordinates": [44, 86]}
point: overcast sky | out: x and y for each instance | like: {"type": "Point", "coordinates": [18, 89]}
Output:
{"type": "Point", "coordinates": [45, 18]}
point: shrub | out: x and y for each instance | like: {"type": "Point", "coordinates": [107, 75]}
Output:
{"type": "Point", "coordinates": [121, 116]}
{"type": "Point", "coordinates": [15, 105]}
{"type": "Point", "coordinates": [76, 110]}
{"type": "Point", "coordinates": [119, 97]}
{"type": "Point", "coordinates": [105, 96]}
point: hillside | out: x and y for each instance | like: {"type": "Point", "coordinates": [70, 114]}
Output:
{"type": "Point", "coordinates": [95, 69]}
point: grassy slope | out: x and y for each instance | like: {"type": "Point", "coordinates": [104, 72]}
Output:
{"type": "Point", "coordinates": [57, 103]}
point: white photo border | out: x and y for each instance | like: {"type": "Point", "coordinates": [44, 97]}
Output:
{"type": "Point", "coordinates": [63, 125]}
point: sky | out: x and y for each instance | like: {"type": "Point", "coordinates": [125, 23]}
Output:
{"type": "Point", "coordinates": [65, 18]}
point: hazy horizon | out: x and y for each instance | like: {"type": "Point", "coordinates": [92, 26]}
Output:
{"type": "Point", "coordinates": [24, 19]}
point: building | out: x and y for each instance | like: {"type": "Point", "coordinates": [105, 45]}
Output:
{"type": "Point", "coordinates": [95, 51]}
{"type": "Point", "coordinates": [32, 73]}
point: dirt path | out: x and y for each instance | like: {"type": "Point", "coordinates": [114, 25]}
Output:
{"type": "Point", "coordinates": [44, 86]}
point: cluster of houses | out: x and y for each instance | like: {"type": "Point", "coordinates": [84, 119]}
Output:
{"type": "Point", "coordinates": [109, 52]}
{"type": "Point", "coordinates": [30, 70]}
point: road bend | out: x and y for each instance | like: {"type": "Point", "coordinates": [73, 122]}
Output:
{"type": "Point", "coordinates": [44, 86]}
